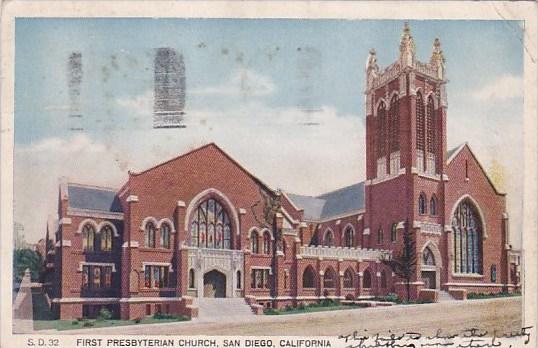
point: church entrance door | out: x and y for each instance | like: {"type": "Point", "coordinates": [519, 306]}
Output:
{"type": "Point", "coordinates": [214, 284]}
{"type": "Point", "coordinates": [429, 277]}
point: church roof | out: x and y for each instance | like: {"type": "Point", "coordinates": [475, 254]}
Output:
{"type": "Point", "coordinates": [340, 202]}
{"type": "Point", "coordinates": [93, 198]}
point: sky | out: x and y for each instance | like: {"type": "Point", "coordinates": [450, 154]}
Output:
{"type": "Point", "coordinates": [283, 97]}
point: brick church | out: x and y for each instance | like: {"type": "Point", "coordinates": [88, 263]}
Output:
{"type": "Point", "coordinates": [196, 226]}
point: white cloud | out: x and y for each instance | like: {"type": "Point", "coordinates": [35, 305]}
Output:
{"type": "Point", "coordinates": [242, 82]}
{"type": "Point", "coordinates": [140, 104]}
{"type": "Point", "coordinates": [504, 87]}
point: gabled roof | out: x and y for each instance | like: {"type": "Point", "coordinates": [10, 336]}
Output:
{"type": "Point", "coordinates": [93, 198]}
{"type": "Point", "coordinates": [456, 151]}
{"type": "Point", "coordinates": [201, 148]}
{"type": "Point", "coordinates": [340, 202]}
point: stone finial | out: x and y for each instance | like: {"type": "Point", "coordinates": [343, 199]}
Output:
{"type": "Point", "coordinates": [437, 59]}
{"type": "Point", "coordinates": [372, 69]}
{"type": "Point", "coordinates": [407, 47]}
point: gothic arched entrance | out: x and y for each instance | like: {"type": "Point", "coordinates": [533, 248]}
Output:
{"type": "Point", "coordinates": [214, 284]}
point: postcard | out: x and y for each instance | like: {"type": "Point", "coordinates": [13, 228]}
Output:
{"type": "Point", "coordinates": [272, 174]}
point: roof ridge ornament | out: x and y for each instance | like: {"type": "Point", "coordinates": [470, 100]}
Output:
{"type": "Point", "coordinates": [407, 47]}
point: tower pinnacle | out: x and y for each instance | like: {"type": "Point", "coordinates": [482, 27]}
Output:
{"type": "Point", "coordinates": [437, 59]}
{"type": "Point", "coordinates": [407, 47]}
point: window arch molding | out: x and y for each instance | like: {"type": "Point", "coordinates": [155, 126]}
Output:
{"type": "Point", "coordinates": [434, 205]}
{"type": "Point", "coordinates": [91, 222]}
{"type": "Point", "coordinates": [349, 278]}
{"type": "Point", "coordinates": [328, 232]}
{"type": "Point", "coordinates": [168, 222]}
{"type": "Point", "coordinates": [309, 278]}
{"type": "Point", "coordinates": [435, 251]}
{"type": "Point", "coordinates": [254, 243]}
{"type": "Point", "coordinates": [330, 278]}
{"type": "Point", "coordinates": [478, 209]}
{"type": "Point", "coordinates": [434, 98]}
{"type": "Point", "coordinates": [146, 220]}
{"type": "Point", "coordinates": [104, 224]}
{"type": "Point", "coordinates": [422, 204]}
{"type": "Point", "coordinates": [378, 104]}
{"type": "Point", "coordinates": [348, 227]}
{"type": "Point", "coordinates": [367, 279]}
{"type": "Point", "coordinates": [218, 196]}
{"type": "Point", "coordinates": [268, 231]}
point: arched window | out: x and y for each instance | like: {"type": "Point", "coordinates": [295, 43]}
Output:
{"type": "Point", "coordinates": [381, 130]}
{"type": "Point", "coordinates": [348, 279]}
{"type": "Point", "coordinates": [430, 125]}
{"type": "Point", "coordinates": [427, 257]}
{"type": "Point", "coordinates": [149, 232]}
{"type": "Point", "coordinates": [192, 279]}
{"type": "Point", "coordinates": [328, 239]}
{"type": "Point", "coordinates": [106, 238]}
{"type": "Point", "coordinates": [329, 278]}
{"type": "Point", "coordinates": [383, 279]}
{"type": "Point", "coordinates": [88, 238]}
{"type": "Point", "coordinates": [309, 278]}
{"type": "Point", "coordinates": [420, 129]}
{"type": "Point", "coordinates": [348, 237]}
{"type": "Point", "coordinates": [422, 204]}
{"type": "Point", "coordinates": [394, 132]}
{"type": "Point", "coordinates": [367, 280]}
{"type": "Point", "coordinates": [380, 235]}
{"type": "Point", "coordinates": [211, 227]}
{"type": "Point", "coordinates": [266, 243]}
{"type": "Point", "coordinates": [433, 205]}
{"type": "Point", "coordinates": [165, 236]}
{"type": "Point", "coordinates": [467, 228]}
{"type": "Point", "coordinates": [393, 232]}
{"type": "Point", "coordinates": [254, 247]}
{"type": "Point", "coordinates": [238, 278]}
{"type": "Point", "coordinates": [284, 249]}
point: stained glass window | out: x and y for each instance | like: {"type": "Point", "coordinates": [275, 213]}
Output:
{"type": "Point", "coordinates": [328, 240]}
{"type": "Point", "coordinates": [433, 205]}
{"type": "Point", "coordinates": [106, 238]}
{"type": "Point", "coordinates": [266, 243]}
{"type": "Point", "coordinates": [420, 122]}
{"type": "Point", "coordinates": [254, 247]}
{"type": "Point", "coordinates": [165, 236]}
{"type": "Point", "coordinates": [88, 238]}
{"type": "Point", "coordinates": [380, 235]}
{"type": "Point", "coordinates": [467, 229]}
{"type": "Point", "coordinates": [149, 232]}
{"type": "Point", "coordinates": [108, 276]}
{"type": "Point", "coordinates": [85, 276]}
{"type": "Point", "coordinates": [422, 204]}
{"type": "Point", "coordinates": [393, 232]}
{"type": "Point", "coordinates": [210, 226]}
{"type": "Point", "coordinates": [96, 277]}
{"type": "Point", "coordinates": [383, 279]}
{"type": "Point", "coordinates": [430, 125]}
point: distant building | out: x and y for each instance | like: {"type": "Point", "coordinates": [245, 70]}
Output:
{"type": "Point", "coordinates": [190, 226]}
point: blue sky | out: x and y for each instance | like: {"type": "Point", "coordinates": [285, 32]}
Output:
{"type": "Point", "coordinates": [248, 84]}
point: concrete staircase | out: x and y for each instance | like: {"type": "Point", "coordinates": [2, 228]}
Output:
{"type": "Point", "coordinates": [222, 309]}
{"type": "Point", "coordinates": [444, 296]}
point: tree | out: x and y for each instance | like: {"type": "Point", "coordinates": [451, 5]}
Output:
{"type": "Point", "coordinates": [404, 263]}
{"type": "Point", "coordinates": [272, 204]}
{"type": "Point", "coordinates": [26, 258]}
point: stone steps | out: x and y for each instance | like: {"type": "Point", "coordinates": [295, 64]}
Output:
{"type": "Point", "coordinates": [444, 296]}
{"type": "Point", "coordinates": [222, 309]}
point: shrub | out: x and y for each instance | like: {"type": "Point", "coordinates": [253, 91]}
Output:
{"type": "Point", "coordinates": [271, 311]}
{"type": "Point", "coordinates": [326, 302]}
{"type": "Point", "coordinates": [88, 324]}
{"type": "Point", "coordinates": [301, 306]}
{"type": "Point", "coordinates": [393, 298]}
{"type": "Point", "coordinates": [137, 320]}
{"type": "Point", "coordinates": [74, 322]}
{"type": "Point", "coordinates": [288, 308]}
{"type": "Point", "coordinates": [104, 314]}
{"type": "Point", "coordinates": [160, 315]}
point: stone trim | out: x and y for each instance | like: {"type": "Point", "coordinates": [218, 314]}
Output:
{"type": "Point", "coordinates": [149, 299]}
{"type": "Point", "coordinates": [132, 199]}
{"type": "Point", "coordinates": [151, 263]}
{"type": "Point", "coordinates": [94, 214]}
{"type": "Point", "coordinates": [65, 221]}
{"type": "Point", "coordinates": [85, 299]}
{"type": "Point", "coordinates": [85, 263]}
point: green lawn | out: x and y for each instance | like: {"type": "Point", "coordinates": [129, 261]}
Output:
{"type": "Point", "coordinates": [478, 296]}
{"type": "Point", "coordinates": [311, 308]}
{"type": "Point", "coordinates": [93, 323]}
